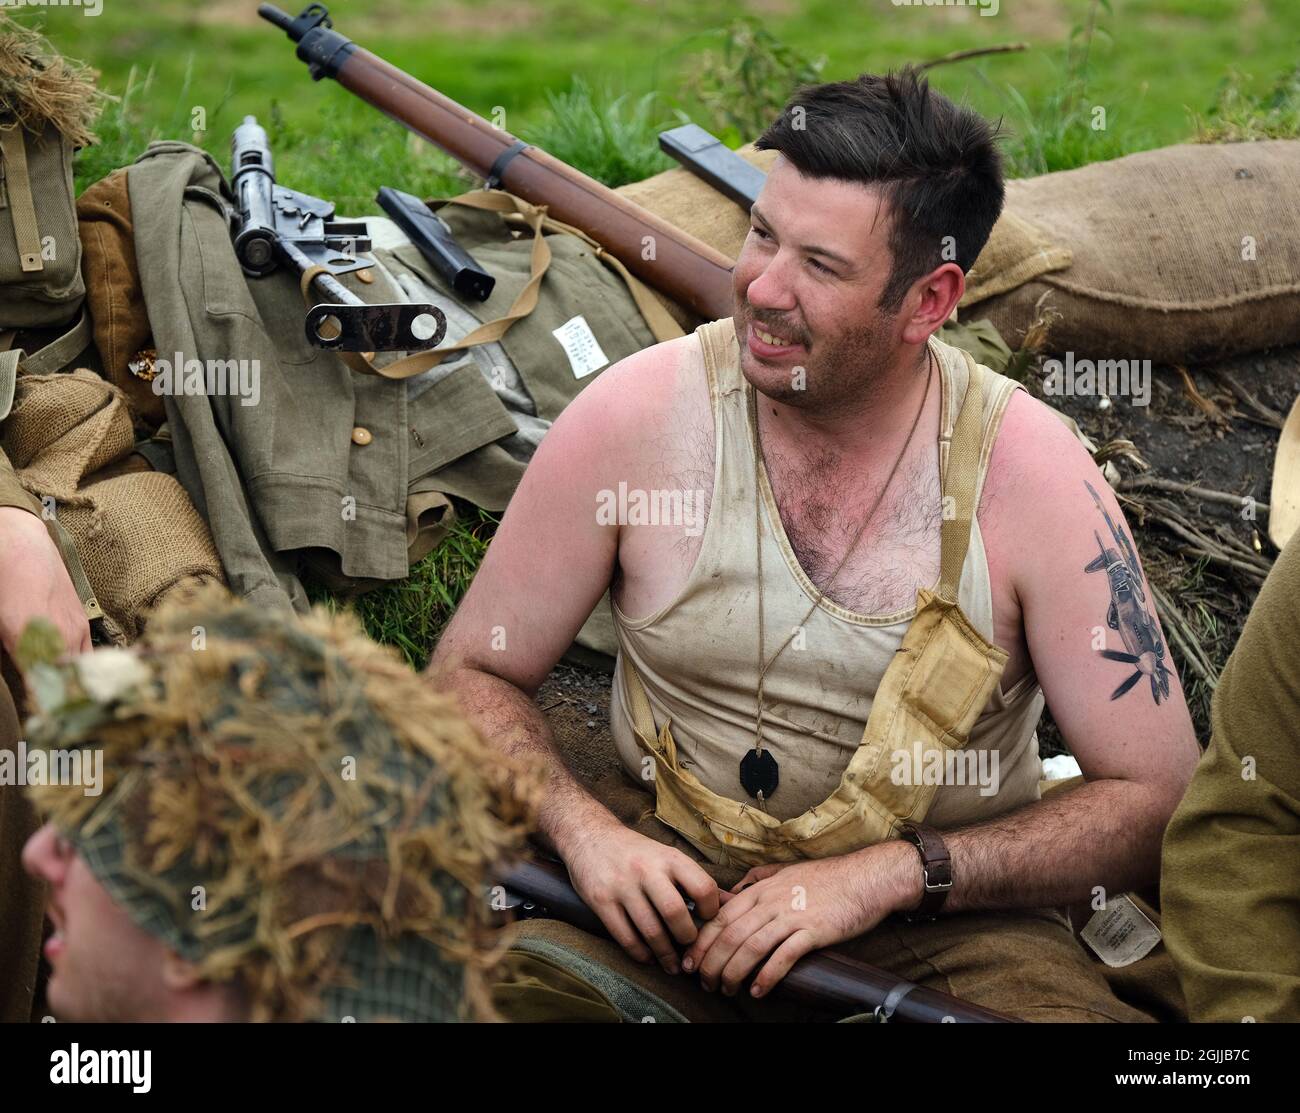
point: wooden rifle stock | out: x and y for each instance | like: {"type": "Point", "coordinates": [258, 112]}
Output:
{"type": "Point", "coordinates": [826, 980]}
{"type": "Point", "coordinates": [681, 267]}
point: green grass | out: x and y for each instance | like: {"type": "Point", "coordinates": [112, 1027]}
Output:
{"type": "Point", "coordinates": [412, 613]}
{"type": "Point", "coordinates": [1160, 67]}
{"type": "Point", "coordinates": [593, 80]}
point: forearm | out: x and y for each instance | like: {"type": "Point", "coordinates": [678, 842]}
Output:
{"type": "Point", "coordinates": [514, 725]}
{"type": "Point", "coordinates": [1060, 849]}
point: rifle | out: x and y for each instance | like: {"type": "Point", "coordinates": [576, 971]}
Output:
{"type": "Point", "coordinates": [275, 225]}
{"type": "Point", "coordinates": [825, 979]}
{"type": "Point", "coordinates": [679, 265]}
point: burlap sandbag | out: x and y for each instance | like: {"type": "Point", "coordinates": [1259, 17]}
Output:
{"type": "Point", "coordinates": [138, 536]}
{"type": "Point", "coordinates": [1180, 254]}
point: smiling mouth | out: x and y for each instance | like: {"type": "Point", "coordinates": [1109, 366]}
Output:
{"type": "Point", "coordinates": [771, 339]}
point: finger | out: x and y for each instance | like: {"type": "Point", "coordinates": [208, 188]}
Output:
{"type": "Point", "coordinates": [668, 902]}
{"type": "Point", "coordinates": [757, 873]}
{"type": "Point", "coordinates": [725, 946]}
{"type": "Point", "coordinates": [652, 931]}
{"type": "Point", "coordinates": [752, 952]}
{"type": "Point", "coordinates": [778, 966]}
{"type": "Point", "coordinates": [625, 935]}
{"type": "Point", "coordinates": [699, 886]}
{"type": "Point", "coordinates": [736, 906]}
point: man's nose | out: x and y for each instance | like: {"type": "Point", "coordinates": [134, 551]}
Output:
{"type": "Point", "coordinates": [772, 289]}
{"type": "Point", "coordinates": [41, 857]}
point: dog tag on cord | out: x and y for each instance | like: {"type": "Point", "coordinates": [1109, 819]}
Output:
{"type": "Point", "coordinates": [759, 773]}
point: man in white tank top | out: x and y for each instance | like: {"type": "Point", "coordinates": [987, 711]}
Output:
{"type": "Point", "coordinates": [882, 198]}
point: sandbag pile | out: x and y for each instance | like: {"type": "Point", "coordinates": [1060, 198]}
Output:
{"type": "Point", "coordinates": [138, 535]}
{"type": "Point", "coordinates": [1175, 255]}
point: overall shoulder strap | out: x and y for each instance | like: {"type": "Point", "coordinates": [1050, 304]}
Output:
{"type": "Point", "coordinates": [717, 345]}
{"type": "Point", "coordinates": [961, 481]}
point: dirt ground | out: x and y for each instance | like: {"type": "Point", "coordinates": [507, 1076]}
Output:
{"type": "Point", "coordinates": [1221, 441]}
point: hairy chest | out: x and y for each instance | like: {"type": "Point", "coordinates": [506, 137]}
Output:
{"type": "Point", "coordinates": [864, 537]}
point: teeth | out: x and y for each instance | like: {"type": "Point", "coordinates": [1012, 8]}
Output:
{"type": "Point", "coordinates": [768, 338]}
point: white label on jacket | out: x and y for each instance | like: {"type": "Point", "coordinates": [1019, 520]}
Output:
{"type": "Point", "coordinates": [1120, 933]}
{"type": "Point", "coordinates": [581, 346]}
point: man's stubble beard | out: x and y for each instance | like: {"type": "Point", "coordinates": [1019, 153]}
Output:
{"type": "Point", "coordinates": [846, 371]}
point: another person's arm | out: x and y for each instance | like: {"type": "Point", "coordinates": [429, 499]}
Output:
{"type": "Point", "coordinates": [35, 582]}
{"type": "Point", "coordinates": [1230, 890]}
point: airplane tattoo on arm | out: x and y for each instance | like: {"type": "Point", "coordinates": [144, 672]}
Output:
{"type": "Point", "coordinates": [1128, 613]}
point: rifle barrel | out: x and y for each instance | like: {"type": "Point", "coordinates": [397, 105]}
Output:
{"type": "Point", "coordinates": [824, 979]}
{"type": "Point", "coordinates": [680, 266]}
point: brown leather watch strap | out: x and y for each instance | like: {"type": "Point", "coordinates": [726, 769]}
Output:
{"type": "Point", "coordinates": [936, 870]}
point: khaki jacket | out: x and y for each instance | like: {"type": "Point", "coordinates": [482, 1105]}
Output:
{"type": "Point", "coordinates": [285, 474]}
{"type": "Point", "coordinates": [350, 472]}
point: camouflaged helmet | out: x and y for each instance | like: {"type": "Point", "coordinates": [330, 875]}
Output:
{"type": "Point", "coordinates": [284, 802]}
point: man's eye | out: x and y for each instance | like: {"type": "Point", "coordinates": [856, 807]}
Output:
{"type": "Point", "coordinates": [759, 232]}
{"type": "Point", "coordinates": [821, 267]}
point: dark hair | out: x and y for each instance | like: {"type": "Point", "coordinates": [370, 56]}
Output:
{"type": "Point", "coordinates": [937, 163]}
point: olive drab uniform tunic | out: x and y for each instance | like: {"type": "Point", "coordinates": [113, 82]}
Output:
{"type": "Point", "coordinates": [847, 715]}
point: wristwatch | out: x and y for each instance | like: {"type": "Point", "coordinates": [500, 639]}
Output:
{"type": "Point", "coordinates": [936, 871]}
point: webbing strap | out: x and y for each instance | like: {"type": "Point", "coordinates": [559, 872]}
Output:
{"type": "Point", "coordinates": [13, 146]}
{"type": "Point", "coordinates": [960, 481]}
{"type": "Point", "coordinates": [8, 380]}
{"type": "Point", "coordinates": [660, 322]}
{"type": "Point", "coordinates": [53, 357]}
{"type": "Point", "coordinates": [57, 354]}
{"type": "Point", "coordinates": [643, 719]}
{"type": "Point", "coordinates": [657, 318]}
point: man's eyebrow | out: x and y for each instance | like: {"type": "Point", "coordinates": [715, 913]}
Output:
{"type": "Point", "coordinates": [811, 249]}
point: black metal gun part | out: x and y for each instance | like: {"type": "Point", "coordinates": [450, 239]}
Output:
{"type": "Point", "coordinates": [711, 160]}
{"type": "Point", "coordinates": [278, 226]}
{"type": "Point", "coordinates": [429, 232]}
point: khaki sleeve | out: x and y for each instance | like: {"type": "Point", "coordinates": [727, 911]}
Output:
{"type": "Point", "coordinates": [12, 493]}
{"type": "Point", "coordinates": [1230, 884]}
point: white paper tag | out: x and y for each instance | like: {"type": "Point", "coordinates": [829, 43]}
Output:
{"type": "Point", "coordinates": [1121, 933]}
{"type": "Point", "coordinates": [581, 346]}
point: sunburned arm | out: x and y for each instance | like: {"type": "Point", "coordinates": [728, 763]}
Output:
{"type": "Point", "coordinates": [1096, 644]}
{"type": "Point", "coordinates": [544, 571]}
{"type": "Point", "coordinates": [549, 563]}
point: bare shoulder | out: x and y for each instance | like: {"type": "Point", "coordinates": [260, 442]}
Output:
{"type": "Point", "coordinates": [643, 392]}
{"type": "Point", "coordinates": [1035, 454]}
{"type": "Point", "coordinates": [1036, 490]}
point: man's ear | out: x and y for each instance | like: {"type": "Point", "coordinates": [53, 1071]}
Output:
{"type": "Point", "coordinates": [179, 973]}
{"type": "Point", "coordinates": [934, 297]}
